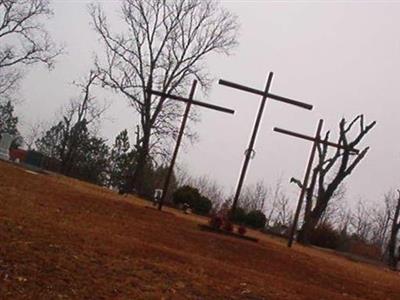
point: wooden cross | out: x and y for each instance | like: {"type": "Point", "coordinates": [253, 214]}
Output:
{"type": "Point", "coordinates": [249, 152]}
{"type": "Point", "coordinates": [316, 140]}
{"type": "Point", "coordinates": [189, 101]}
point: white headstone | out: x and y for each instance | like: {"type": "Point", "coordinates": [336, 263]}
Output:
{"type": "Point", "coordinates": [5, 143]}
{"type": "Point", "coordinates": [157, 195]}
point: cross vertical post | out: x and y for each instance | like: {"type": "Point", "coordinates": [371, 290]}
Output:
{"type": "Point", "coordinates": [250, 149]}
{"type": "Point", "coordinates": [189, 102]}
{"type": "Point", "coordinates": [305, 183]}
{"type": "Point", "coordinates": [178, 143]}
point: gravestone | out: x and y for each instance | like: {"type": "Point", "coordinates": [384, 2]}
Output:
{"type": "Point", "coordinates": [5, 143]}
{"type": "Point", "coordinates": [157, 196]}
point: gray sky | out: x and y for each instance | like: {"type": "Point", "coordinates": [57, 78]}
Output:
{"type": "Point", "coordinates": [343, 57]}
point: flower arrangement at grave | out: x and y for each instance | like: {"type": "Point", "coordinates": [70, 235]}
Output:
{"type": "Point", "coordinates": [242, 230]}
{"type": "Point", "coordinates": [221, 221]}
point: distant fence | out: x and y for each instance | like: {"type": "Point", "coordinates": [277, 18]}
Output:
{"type": "Point", "coordinates": [35, 159]}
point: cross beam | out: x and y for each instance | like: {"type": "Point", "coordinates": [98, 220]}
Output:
{"type": "Point", "coordinates": [189, 101]}
{"type": "Point", "coordinates": [316, 140]}
{"type": "Point", "coordinates": [195, 102]}
{"type": "Point", "coordinates": [265, 95]}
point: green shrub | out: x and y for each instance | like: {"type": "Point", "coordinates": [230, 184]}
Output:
{"type": "Point", "coordinates": [256, 219]}
{"type": "Point", "coordinates": [202, 206]}
{"type": "Point", "coordinates": [185, 194]}
{"type": "Point", "coordinates": [239, 216]}
{"type": "Point", "coordinates": [325, 236]}
{"type": "Point", "coordinates": [198, 203]}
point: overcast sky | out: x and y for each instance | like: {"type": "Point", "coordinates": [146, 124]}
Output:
{"type": "Point", "coordinates": [343, 57]}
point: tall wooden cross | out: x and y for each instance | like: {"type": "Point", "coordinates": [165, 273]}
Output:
{"type": "Point", "coordinates": [316, 140]}
{"type": "Point", "coordinates": [250, 150]}
{"type": "Point", "coordinates": [189, 101]}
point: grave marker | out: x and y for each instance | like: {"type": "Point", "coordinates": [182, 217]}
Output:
{"type": "Point", "coordinates": [5, 143]}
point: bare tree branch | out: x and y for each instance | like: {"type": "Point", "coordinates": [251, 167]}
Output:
{"type": "Point", "coordinates": [23, 39]}
{"type": "Point", "coordinates": [163, 47]}
{"type": "Point", "coordinates": [331, 171]}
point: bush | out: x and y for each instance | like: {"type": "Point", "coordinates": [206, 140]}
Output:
{"type": "Point", "coordinates": [198, 203]}
{"type": "Point", "coordinates": [325, 236]}
{"type": "Point", "coordinates": [239, 216]}
{"type": "Point", "coordinates": [185, 194]}
{"type": "Point", "coordinates": [202, 206]}
{"type": "Point", "coordinates": [256, 219]}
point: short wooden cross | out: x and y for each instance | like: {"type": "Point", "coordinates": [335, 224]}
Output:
{"type": "Point", "coordinates": [249, 152]}
{"type": "Point", "coordinates": [316, 140]}
{"type": "Point", "coordinates": [189, 101]}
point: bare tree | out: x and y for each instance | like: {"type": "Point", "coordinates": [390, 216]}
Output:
{"type": "Point", "coordinates": [34, 130]}
{"type": "Point", "coordinates": [209, 188]}
{"type": "Point", "coordinates": [63, 140]}
{"type": "Point", "coordinates": [334, 214]}
{"type": "Point", "coordinates": [254, 196]}
{"type": "Point", "coordinates": [381, 215]}
{"type": "Point", "coordinates": [79, 115]}
{"type": "Point", "coordinates": [270, 199]}
{"type": "Point", "coordinates": [206, 185]}
{"type": "Point", "coordinates": [23, 40]}
{"type": "Point", "coordinates": [394, 235]}
{"type": "Point", "coordinates": [335, 208]}
{"type": "Point", "coordinates": [361, 222]}
{"type": "Point", "coordinates": [276, 208]}
{"type": "Point", "coordinates": [343, 218]}
{"type": "Point", "coordinates": [284, 212]}
{"type": "Point", "coordinates": [9, 82]}
{"type": "Point", "coordinates": [183, 176]}
{"type": "Point", "coordinates": [165, 44]}
{"type": "Point", "coordinates": [331, 171]}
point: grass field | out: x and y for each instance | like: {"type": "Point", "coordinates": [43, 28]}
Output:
{"type": "Point", "coordinates": [64, 239]}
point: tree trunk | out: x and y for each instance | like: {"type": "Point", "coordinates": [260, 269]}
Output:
{"type": "Point", "coordinates": [310, 194]}
{"type": "Point", "coordinates": [311, 222]}
{"type": "Point", "coordinates": [393, 237]}
{"type": "Point", "coordinates": [135, 181]}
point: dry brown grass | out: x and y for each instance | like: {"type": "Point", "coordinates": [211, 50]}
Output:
{"type": "Point", "coordinates": [64, 239]}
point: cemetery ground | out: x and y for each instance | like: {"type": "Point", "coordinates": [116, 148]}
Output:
{"type": "Point", "coordinates": [65, 239]}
